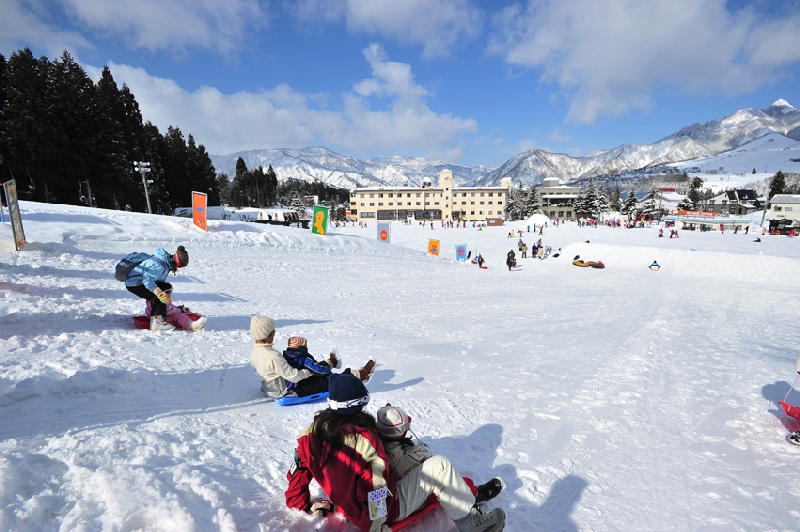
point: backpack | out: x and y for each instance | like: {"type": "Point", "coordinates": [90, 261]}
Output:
{"type": "Point", "coordinates": [129, 262]}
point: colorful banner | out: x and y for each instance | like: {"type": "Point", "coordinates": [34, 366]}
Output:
{"type": "Point", "coordinates": [697, 213]}
{"type": "Point", "coordinates": [433, 247]}
{"type": "Point", "coordinates": [319, 225]}
{"type": "Point", "coordinates": [13, 213]}
{"type": "Point", "coordinates": [385, 232]}
{"type": "Point", "coordinates": [461, 252]}
{"type": "Point", "coordinates": [199, 204]}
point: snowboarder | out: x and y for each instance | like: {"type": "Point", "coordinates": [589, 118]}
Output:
{"type": "Point", "coordinates": [278, 377]}
{"type": "Point", "coordinates": [341, 450]}
{"type": "Point", "coordinates": [147, 280]}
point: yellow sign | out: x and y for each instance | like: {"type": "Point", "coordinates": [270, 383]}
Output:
{"type": "Point", "coordinates": [319, 225]}
{"type": "Point", "coordinates": [433, 247]}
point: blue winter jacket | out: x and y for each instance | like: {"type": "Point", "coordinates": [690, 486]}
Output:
{"type": "Point", "coordinates": [299, 358]}
{"type": "Point", "coordinates": [152, 270]}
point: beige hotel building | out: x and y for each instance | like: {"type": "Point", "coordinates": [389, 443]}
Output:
{"type": "Point", "coordinates": [430, 203]}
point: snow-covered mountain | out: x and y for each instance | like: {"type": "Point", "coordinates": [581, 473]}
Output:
{"type": "Point", "coordinates": [531, 167]}
{"type": "Point", "coordinates": [321, 164]}
{"type": "Point", "coordinates": [692, 142]}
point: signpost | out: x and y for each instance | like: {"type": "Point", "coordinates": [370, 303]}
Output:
{"type": "Point", "coordinates": [13, 213]}
{"type": "Point", "coordinates": [319, 224]}
{"type": "Point", "coordinates": [385, 232]}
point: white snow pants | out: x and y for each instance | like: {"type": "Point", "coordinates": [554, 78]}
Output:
{"type": "Point", "coordinates": [438, 476]}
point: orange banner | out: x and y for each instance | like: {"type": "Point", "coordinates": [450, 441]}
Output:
{"type": "Point", "coordinates": [199, 209]}
{"type": "Point", "coordinates": [433, 247]}
{"type": "Point", "coordinates": [697, 213]}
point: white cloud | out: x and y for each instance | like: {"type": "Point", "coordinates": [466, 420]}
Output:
{"type": "Point", "coordinates": [438, 25]}
{"type": "Point", "coordinates": [557, 136]}
{"type": "Point", "coordinates": [21, 25]}
{"type": "Point", "coordinates": [610, 57]}
{"type": "Point", "coordinates": [284, 117]}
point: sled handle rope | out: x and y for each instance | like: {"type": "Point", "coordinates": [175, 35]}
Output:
{"type": "Point", "coordinates": [792, 387]}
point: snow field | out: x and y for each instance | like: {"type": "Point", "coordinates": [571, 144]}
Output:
{"type": "Point", "coordinates": [615, 399]}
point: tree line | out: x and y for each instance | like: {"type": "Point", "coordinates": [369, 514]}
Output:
{"type": "Point", "coordinates": [66, 139]}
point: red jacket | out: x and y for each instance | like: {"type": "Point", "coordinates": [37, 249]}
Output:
{"type": "Point", "coordinates": [347, 476]}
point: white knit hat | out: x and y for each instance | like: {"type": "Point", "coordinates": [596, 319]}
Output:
{"type": "Point", "coordinates": [393, 422]}
{"type": "Point", "coordinates": [261, 327]}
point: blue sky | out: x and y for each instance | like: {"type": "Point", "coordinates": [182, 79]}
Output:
{"type": "Point", "coordinates": [466, 81]}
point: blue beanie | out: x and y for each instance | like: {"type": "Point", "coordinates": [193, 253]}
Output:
{"type": "Point", "coordinates": [347, 395]}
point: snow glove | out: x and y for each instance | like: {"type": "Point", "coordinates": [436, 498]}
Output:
{"type": "Point", "coordinates": [321, 507]}
{"type": "Point", "coordinates": [162, 296]}
{"type": "Point", "coordinates": [797, 365]}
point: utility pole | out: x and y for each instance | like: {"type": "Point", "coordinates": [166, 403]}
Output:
{"type": "Point", "coordinates": [144, 169]}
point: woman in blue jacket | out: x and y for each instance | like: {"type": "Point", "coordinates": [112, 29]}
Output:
{"type": "Point", "coordinates": [148, 281]}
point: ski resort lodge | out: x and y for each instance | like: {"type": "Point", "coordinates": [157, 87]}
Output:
{"type": "Point", "coordinates": [430, 203]}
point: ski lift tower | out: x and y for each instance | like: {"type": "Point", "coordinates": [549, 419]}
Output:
{"type": "Point", "coordinates": [144, 169]}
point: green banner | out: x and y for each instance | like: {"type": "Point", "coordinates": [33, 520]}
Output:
{"type": "Point", "coordinates": [319, 224]}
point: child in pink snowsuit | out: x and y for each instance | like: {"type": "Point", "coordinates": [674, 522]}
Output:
{"type": "Point", "coordinates": [174, 316]}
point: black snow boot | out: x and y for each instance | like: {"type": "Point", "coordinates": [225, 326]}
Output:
{"type": "Point", "coordinates": [488, 491]}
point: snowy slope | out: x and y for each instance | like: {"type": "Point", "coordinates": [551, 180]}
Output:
{"type": "Point", "coordinates": [615, 399]}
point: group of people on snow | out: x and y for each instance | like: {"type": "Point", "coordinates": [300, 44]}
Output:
{"type": "Point", "coordinates": [369, 468]}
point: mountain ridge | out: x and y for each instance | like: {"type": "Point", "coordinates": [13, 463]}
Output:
{"type": "Point", "coordinates": [528, 168]}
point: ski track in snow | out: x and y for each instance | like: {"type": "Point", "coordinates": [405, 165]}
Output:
{"type": "Point", "coordinates": [615, 399]}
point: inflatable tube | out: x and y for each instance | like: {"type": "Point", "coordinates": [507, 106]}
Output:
{"type": "Point", "coordinates": [580, 263]}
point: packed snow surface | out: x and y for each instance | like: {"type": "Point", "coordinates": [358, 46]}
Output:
{"type": "Point", "coordinates": [607, 400]}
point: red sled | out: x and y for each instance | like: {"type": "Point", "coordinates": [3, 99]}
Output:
{"type": "Point", "coordinates": [791, 410]}
{"type": "Point", "coordinates": [143, 322]}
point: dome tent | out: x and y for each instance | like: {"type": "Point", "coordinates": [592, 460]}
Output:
{"type": "Point", "coordinates": [538, 219]}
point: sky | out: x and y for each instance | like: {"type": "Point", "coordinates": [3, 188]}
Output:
{"type": "Point", "coordinates": [606, 399]}
{"type": "Point", "coordinates": [465, 81]}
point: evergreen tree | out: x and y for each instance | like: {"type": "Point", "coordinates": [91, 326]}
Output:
{"type": "Point", "coordinates": [629, 207]}
{"type": "Point", "coordinates": [515, 204]}
{"type": "Point", "coordinates": [175, 161]}
{"type": "Point", "coordinates": [695, 192]}
{"type": "Point", "coordinates": [685, 204]}
{"type": "Point", "coordinates": [615, 202]}
{"type": "Point", "coordinates": [111, 167]}
{"type": "Point", "coordinates": [295, 203]}
{"type": "Point", "coordinates": [532, 205]}
{"type": "Point", "coordinates": [271, 186]}
{"type": "Point", "coordinates": [650, 203]}
{"type": "Point", "coordinates": [3, 97]}
{"type": "Point", "coordinates": [777, 184]}
{"type": "Point", "coordinates": [603, 203]}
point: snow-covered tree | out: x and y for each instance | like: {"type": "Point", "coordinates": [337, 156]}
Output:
{"type": "Point", "coordinates": [532, 205]}
{"type": "Point", "coordinates": [686, 204]}
{"type": "Point", "coordinates": [295, 203]}
{"type": "Point", "coordinates": [629, 205]}
{"type": "Point", "coordinates": [515, 205]}
{"type": "Point", "coordinates": [651, 203]}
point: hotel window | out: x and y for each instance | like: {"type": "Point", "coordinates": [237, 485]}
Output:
{"type": "Point", "coordinates": [390, 204]}
{"type": "Point", "coordinates": [480, 212]}
{"type": "Point", "coordinates": [419, 195]}
{"type": "Point", "coordinates": [362, 204]}
{"type": "Point", "coordinates": [362, 196]}
{"type": "Point", "coordinates": [481, 203]}
{"type": "Point", "coordinates": [371, 204]}
{"type": "Point", "coordinates": [380, 204]}
{"type": "Point", "coordinates": [418, 203]}
{"type": "Point", "coordinates": [788, 208]}
{"type": "Point", "coordinates": [380, 195]}
{"type": "Point", "coordinates": [391, 195]}
{"type": "Point", "coordinates": [372, 195]}
{"type": "Point", "coordinates": [481, 194]}
{"type": "Point", "coordinates": [472, 194]}
{"type": "Point", "coordinates": [489, 213]}
{"type": "Point", "coordinates": [472, 203]}
{"type": "Point", "coordinates": [490, 195]}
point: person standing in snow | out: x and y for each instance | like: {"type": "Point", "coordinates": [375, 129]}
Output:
{"type": "Point", "coordinates": [279, 377]}
{"type": "Point", "coordinates": [511, 259]}
{"type": "Point", "coordinates": [147, 280]}
{"type": "Point", "coordinates": [342, 451]}
{"type": "Point", "coordinates": [480, 260]}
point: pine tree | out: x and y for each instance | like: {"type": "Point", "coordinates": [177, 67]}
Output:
{"type": "Point", "coordinates": [532, 205]}
{"type": "Point", "coordinates": [695, 193]}
{"type": "Point", "coordinates": [685, 204]}
{"type": "Point", "coordinates": [271, 186]}
{"type": "Point", "coordinates": [615, 203]}
{"type": "Point", "coordinates": [296, 203]}
{"type": "Point", "coordinates": [650, 203]}
{"type": "Point", "coordinates": [777, 184]}
{"type": "Point", "coordinates": [629, 207]}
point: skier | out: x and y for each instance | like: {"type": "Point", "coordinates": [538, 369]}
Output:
{"type": "Point", "coordinates": [342, 451]}
{"type": "Point", "coordinates": [147, 280]}
{"type": "Point", "coordinates": [480, 260]}
{"type": "Point", "coordinates": [524, 250]}
{"type": "Point", "coordinates": [278, 377]}
{"type": "Point", "coordinates": [176, 316]}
